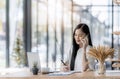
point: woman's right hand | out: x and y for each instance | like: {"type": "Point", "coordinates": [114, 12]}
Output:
{"type": "Point", "coordinates": [85, 42]}
{"type": "Point", "coordinates": [65, 68]}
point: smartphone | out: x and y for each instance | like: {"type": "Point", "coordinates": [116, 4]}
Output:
{"type": "Point", "coordinates": [85, 38]}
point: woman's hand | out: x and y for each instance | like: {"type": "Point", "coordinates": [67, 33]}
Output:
{"type": "Point", "coordinates": [85, 66]}
{"type": "Point", "coordinates": [65, 68]}
{"type": "Point", "coordinates": [85, 42]}
{"type": "Point", "coordinates": [84, 60]}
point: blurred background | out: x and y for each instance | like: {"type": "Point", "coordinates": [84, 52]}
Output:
{"type": "Point", "coordinates": [46, 27]}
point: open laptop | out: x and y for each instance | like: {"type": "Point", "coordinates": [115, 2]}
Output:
{"type": "Point", "coordinates": [32, 58]}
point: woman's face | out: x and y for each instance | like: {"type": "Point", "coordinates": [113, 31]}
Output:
{"type": "Point", "coordinates": [79, 35]}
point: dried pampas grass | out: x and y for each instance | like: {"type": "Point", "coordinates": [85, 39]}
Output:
{"type": "Point", "coordinates": [101, 53]}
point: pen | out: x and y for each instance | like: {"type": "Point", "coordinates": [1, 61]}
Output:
{"type": "Point", "coordinates": [63, 62]}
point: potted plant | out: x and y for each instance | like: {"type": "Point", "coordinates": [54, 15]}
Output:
{"type": "Point", "coordinates": [35, 68]}
{"type": "Point", "coordinates": [101, 53]}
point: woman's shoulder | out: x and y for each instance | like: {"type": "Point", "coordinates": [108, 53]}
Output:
{"type": "Point", "coordinates": [89, 46]}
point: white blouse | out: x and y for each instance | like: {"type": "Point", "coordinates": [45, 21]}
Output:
{"type": "Point", "coordinates": [79, 57]}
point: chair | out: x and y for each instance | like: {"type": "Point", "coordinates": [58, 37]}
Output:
{"type": "Point", "coordinates": [116, 65]}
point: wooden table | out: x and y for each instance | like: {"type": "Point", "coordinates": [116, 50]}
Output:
{"type": "Point", "coordinates": [86, 75]}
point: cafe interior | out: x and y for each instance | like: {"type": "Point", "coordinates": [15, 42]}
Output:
{"type": "Point", "coordinates": [44, 29]}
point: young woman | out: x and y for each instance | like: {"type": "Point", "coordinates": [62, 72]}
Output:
{"type": "Point", "coordinates": [78, 59]}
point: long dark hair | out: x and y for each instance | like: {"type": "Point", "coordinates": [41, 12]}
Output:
{"type": "Point", "coordinates": [75, 48]}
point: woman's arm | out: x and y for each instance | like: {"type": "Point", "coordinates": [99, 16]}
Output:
{"type": "Point", "coordinates": [91, 62]}
{"type": "Point", "coordinates": [84, 61]}
{"type": "Point", "coordinates": [67, 61]}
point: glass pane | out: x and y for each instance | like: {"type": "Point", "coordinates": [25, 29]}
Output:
{"type": "Point", "coordinates": [39, 22]}
{"type": "Point", "coordinates": [60, 21]}
{"type": "Point", "coordinates": [67, 28]}
{"type": "Point", "coordinates": [34, 26]}
{"type": "Point", "coordinates": [116, 28]}
{"type": "Point", "coordinates": [16, 29]}
{"type": "Point", "coordinates": [51, 33]}
{"type": "Point", "coordinates": [58, 16]}
{"type": "Point", "coordinates": [99, 19]}
{"type": "Point", "coordinates": [92, 2]}
{"type": "Point", "coordinates": [2, 33]}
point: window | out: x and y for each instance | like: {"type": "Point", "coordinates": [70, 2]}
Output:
{"type": "Point", "coordinates": [55, 20]}
{"type": "Point", "coordinates": [2, 33]}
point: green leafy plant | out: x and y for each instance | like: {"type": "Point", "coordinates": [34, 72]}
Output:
{"type": "Point", "coordinates": [35, 64]}
{"type": "Point", "coordinates": [19, 54]}
{"type": "Point", "coordinates": [35, 68]}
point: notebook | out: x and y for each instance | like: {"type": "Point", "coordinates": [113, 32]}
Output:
{"type": "Point", "coordinates": [63, 73]}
